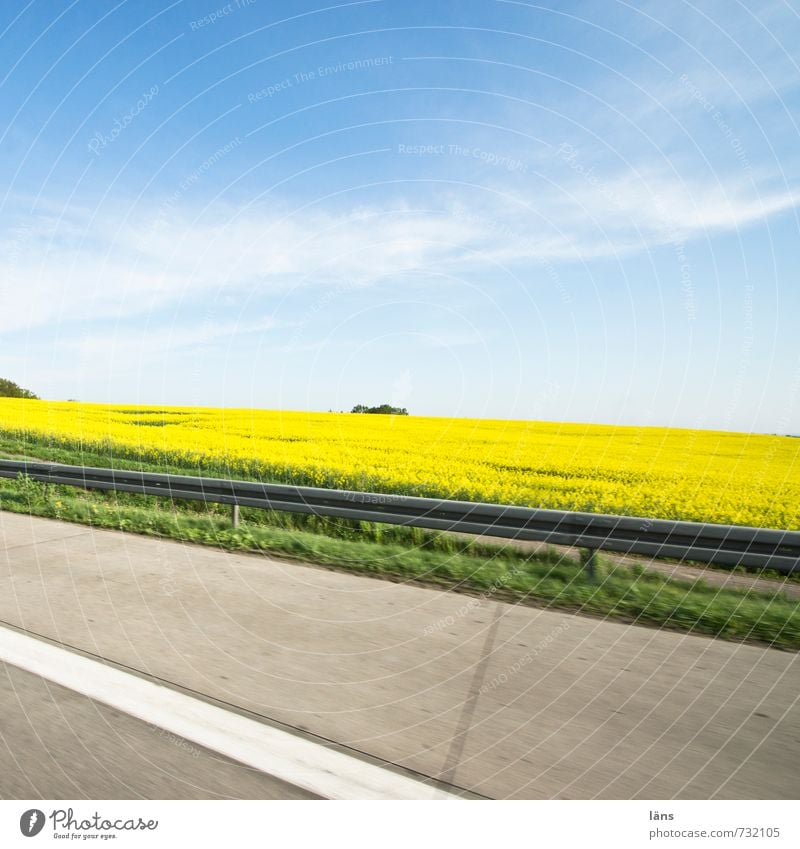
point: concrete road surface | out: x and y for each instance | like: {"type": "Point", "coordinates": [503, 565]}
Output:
{"type": "Point", "coordinates": [505, 700]}
{"type": "Point", "coordinates": [56, 744]}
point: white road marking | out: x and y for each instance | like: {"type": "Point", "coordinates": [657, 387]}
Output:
{"type": "Point", "coordinates": [303, 763]}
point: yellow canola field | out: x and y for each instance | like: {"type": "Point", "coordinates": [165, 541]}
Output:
{"type": "Point", "coordinates": [710, 476]}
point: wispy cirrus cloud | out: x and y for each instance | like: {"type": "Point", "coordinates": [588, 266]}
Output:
{"type": "Point", "coordinates": [153, 343]}
{"type": "Point", "coordinates": [75, 265]}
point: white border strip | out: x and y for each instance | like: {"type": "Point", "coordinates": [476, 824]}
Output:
{"type": "Point", "coordinates": [303, 763]}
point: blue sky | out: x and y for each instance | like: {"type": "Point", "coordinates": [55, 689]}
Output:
{"type": "Point", "coordinates": [574, 211]}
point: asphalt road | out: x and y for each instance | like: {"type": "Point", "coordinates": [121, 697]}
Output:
{"type": "Point", "coordinates": [504, 700]}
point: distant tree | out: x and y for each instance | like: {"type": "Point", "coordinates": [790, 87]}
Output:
{"type": "Point", "coordinates": [9, 389]}
{"type": "Point", "coordinates": [382, 410]}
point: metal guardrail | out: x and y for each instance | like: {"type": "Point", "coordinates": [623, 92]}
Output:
{"type": "Point", "coordinates": [725, 545]}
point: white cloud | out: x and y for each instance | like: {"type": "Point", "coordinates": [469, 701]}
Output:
{"type": "Point", "coordinates": [147, 343]}
{"type": "Point", "coordinates": [58, 268]}
{"type": "Point", "coordinates": [662, 207]}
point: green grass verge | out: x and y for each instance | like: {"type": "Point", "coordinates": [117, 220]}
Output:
{"type": "Point", "coordinates": [500, 572]}
{"type": "Point", "coordinates": [13, 446]}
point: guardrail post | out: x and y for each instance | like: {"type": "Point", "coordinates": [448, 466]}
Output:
{"type": "Point", "coordinates": [589, 558]}
{"type": "Point", "coordinates": [235, 515]}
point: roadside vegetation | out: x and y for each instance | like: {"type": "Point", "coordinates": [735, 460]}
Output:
{"type": "Point", "coordinates": [492, 572]}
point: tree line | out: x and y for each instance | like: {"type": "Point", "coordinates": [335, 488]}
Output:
{"type": "Point", "coordinates": [9, 389]}
{"type": "Point", "coordinates": [383, 409]}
